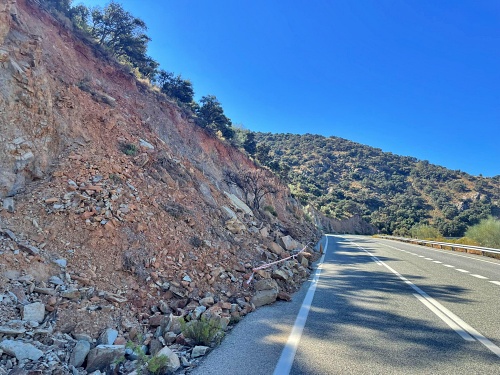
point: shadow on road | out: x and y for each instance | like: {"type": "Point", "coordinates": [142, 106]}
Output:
{"type": "Point", "coordinates": [363, 310]}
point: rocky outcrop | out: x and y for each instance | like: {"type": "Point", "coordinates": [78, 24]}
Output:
{"type": "Point", "coordinates": [8, 15]}
{"type": "Point", "coordinates": [353, 225]}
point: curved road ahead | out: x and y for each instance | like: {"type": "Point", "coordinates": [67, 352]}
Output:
{"type": "Point", "coordinates": [379, 307]}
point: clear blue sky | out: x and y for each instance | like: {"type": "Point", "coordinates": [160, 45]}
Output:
{"type": "Point", "coordinates": [414, 77]}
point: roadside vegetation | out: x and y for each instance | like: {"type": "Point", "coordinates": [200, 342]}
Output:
{"type": "Point", "coordinates": [486, 234]}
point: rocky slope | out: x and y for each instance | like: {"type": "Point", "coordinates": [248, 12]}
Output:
{"type": "Point", "coordinates": [115, 221]}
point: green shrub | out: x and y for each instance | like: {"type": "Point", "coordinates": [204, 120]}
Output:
{"type": "Point", "coordinates": [153, 364]}
{"type": "Point", "coordinates": [486, 233]}
{"type": "Point", "coordinates": [463, 241]}
{"type": "Point", "coordinates": [196, 242]}
{"type": "Point", "coordinates": [271, 210]}
{"type": "Point", "coordinates": [204, 331]}
{"type": "Point", "coordinates": [425, 232]}
{"type": "Point", "coordinates": [129, 149]}
{"type": "Point", "coordinates": [157, 364]}
{"type": "Point", "coordinates": [115, 178]}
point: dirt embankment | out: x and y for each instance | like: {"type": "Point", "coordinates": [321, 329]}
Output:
{"type": "Point", "coordinates": [114, 210]}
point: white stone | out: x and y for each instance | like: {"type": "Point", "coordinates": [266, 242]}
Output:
{"type": "Point", "coordinates": [34, 312]}
{"type": "Point", "coordinates": [145, 144]}
{"type": "Point", "coordinates": [21, 350]}
{"type": "Point", "coordinates": [238, 203]}
{"type": "Point", "coordinates": [173, 359]}
{"type": "Point", "coordinates": [230, 213]}
{"type": "Point", "coordinates": [199, 351]}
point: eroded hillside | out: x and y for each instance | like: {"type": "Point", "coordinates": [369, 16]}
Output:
{"type": "Point", "coordinates": [115, 213]}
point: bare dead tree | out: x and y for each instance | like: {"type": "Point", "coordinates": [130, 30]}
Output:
{"type": "Point", "coordinates": [255, 185]}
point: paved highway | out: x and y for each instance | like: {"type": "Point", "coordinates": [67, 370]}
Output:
{"type": "Point", "coordinates": [379, 307]}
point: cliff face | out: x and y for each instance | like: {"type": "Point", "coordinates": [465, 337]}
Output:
{"type": "Point", "coordinates": [57, 92]}
{"type": "Point", "coordinates": [108, 186]}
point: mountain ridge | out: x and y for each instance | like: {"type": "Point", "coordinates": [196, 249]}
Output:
{"type": "Point", "coordinates": [343, 178]}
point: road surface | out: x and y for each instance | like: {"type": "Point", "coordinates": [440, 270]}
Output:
{"type": "Point", "coordinates": [377, 307]}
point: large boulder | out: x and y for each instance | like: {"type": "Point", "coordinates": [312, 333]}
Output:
{"type": "Point", "coordinates": [21, 350]}
{"type": "Point", "coordinates": [266, 292]}
{"type": "Point", "coordinates": [289, 243]}
{"type": "Point", "coordinates": [276, 249]}
{"type": "Point", "coordinates": [102, 356]}
{"type": "Point", "coordinates": [238, 203]}
{"type": "Point", "coordinates": [264, 297]}
{"type": "Point", "coordinates": [79, 353]}
{"type": "Point", "coordinates": [266, 284]}
{"type": "Point", "coordinates": [280, 274]}
{"type": "Point", "coordinates": [173, 359]}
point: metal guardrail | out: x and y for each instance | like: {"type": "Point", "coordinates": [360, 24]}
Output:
{"type": "Point", "coordinates": [485, 251]}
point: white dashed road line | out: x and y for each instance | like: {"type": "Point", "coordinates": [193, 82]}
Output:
{"type": "Point", "coordinates": [467, 332]}
{"type": "Point", "coordinates": [447, 252]}
{"type": "Point", "coordinates": [446, 265]}
{"type": "Point", "coordinates": [479, 276]}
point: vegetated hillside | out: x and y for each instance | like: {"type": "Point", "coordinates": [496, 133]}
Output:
{"type": "Point", "coordinates": [115, 212]}
{"type": "Point", "coordinates": [343, 178]}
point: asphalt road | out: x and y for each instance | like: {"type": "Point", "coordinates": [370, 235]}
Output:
{"type": "Point", "coordinates": [380, 307]}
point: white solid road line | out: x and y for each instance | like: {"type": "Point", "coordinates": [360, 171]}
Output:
{"type": "Point", "coordinates": [465, 327]}
{"type": "Point", "coordinates": [454, 326]}
{"type": "Point", "coordinates": [285, 362]}
{"type": "Point", "coordinates": [495, 282]}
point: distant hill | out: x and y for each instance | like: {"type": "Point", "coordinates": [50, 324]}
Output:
{"type": "Point", "coordinates": [343, 178]}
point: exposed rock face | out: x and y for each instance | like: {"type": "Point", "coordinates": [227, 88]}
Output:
{"type": "Point", "coordinates": [354, 224]}
{"type": "Point", "coordinates": [28, 125]}
{"type": "Point", "coordinates": [7, 13]}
